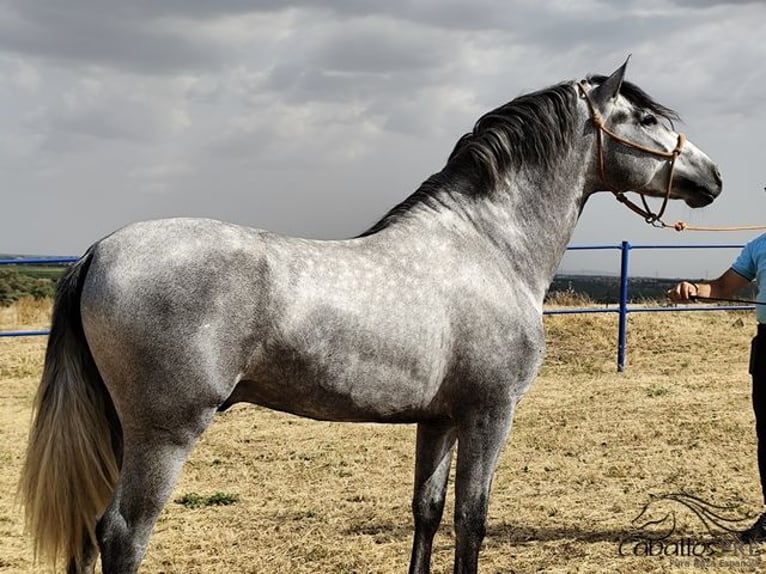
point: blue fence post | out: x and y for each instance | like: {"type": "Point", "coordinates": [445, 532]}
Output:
{"type": "Point", "coordinates": [623, 323]}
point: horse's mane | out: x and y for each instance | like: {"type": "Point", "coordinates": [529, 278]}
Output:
{"type": "Point", "coordinates": [531, 131]}
{"type": "Point", "coordinates": [527, 131]}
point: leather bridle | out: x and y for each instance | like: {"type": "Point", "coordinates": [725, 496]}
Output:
{"type": "Point", "coordinates": [645, 212]}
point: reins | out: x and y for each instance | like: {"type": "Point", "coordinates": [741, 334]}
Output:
{"type": "Point", "coordinates": [654, 219]}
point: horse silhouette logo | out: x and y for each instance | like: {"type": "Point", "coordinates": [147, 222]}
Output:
{"type": "Point", "coordinates": [660, 517]}
{"type": "Point", "coordinates": [663, 528]}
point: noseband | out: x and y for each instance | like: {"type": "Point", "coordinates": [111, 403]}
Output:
{"type": "Point", "coordinates": [645, 212]}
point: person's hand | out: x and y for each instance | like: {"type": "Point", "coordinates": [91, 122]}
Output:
{"type": "Point", "coordinates": [683, 292]}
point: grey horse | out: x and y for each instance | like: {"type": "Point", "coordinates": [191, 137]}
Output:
{"type": "Point", "coordinates": [433, 316]}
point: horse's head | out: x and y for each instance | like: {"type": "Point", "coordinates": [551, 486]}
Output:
{"type": "Point", "coordinates": [637, 148]}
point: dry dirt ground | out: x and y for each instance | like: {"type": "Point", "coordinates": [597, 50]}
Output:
{"type": "Point", "coordinates": [588, 451]}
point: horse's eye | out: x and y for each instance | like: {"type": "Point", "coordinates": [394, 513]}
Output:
{"type": "Point", "coordinates": [649, 120]}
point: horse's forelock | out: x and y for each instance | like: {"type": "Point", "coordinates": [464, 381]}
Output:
{"type": "Point", "coordinates": [640, 99]}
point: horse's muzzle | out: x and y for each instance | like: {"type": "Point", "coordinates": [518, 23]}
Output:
{"type": "Point", "coordinates": [696, 193]}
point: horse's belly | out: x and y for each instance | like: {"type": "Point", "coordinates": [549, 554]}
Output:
{"type": "Point", "coordinates": [339, 390]}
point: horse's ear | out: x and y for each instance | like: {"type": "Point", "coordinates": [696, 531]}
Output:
{"type": "Point", "coordinates": [609, 88]}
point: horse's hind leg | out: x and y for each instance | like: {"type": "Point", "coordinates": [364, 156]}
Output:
{"type": "Point", "coordinates": [89, 557]}
{"type": "Point", "coordinates": [433, 457]}
{"type": "Point", "coordinates": [152, 459]}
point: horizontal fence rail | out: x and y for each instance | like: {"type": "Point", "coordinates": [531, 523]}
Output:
{"type": "Point", "coordinates": [39, 261]}
{"type": "Point", "coordinates": [622, 310]}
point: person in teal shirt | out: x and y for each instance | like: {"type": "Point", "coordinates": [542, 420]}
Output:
{"type": "Point", "coordinates": [749, 266]}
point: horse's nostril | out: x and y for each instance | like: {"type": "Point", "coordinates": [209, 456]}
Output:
{"type": "Point", "coordinates": [717, 175]}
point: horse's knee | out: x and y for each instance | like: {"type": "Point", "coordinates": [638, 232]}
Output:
{"type": "Point", "coordinates": [427, 511]}
{"type": "Point", "coordinates": [474, 527]}
{"type": "Point", "coordinates": [471, 519]}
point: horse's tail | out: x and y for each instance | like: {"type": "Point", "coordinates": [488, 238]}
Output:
{"type": "Point", "coordinates": [71, 462]}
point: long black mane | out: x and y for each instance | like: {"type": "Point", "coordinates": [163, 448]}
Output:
{"type": "Point", "coordinates": [531, 130]}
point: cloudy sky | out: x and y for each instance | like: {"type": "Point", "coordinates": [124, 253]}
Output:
{"type": "Point", "coordinates": [313, 118]}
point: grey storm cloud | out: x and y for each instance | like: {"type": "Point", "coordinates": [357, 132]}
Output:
{"type": "Point", "coordinates": [366, 61]}
{"type": "Point", "coordinates": [153, 36]}
{"type": "Point", "coordinates": [90, 35]}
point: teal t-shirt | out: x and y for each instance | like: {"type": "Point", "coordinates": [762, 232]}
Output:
{"type": "Point", "coordinates": [751, 264]}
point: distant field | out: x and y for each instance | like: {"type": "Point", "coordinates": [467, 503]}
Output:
{"type": "Point", "coordinates": [35, 271]}
{"type": "Point", "coordinates": [38, 271]}
{"type": "Point", "coordinates": [588, 449]}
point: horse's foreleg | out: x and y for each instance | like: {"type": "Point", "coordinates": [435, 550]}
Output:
{"type": "Point", "coordinates": [152, 461]}
{"type": "Point", "coordinates": [433, 456]}
{"type": "Point", "coordinates": [480, 441]}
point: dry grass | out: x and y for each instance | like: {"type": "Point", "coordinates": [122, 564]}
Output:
{"type": "Point", "coordinates": [588, 448]}
{"type": "Point", "coordinates": [568, 298]}
{"type": "Point", "coordinates": [26, 313]}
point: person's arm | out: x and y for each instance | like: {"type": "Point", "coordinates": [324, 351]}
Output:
{"type": "Point", "coordinates": [725, 286]}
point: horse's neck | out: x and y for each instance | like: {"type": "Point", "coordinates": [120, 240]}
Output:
{"type": "Point", "coordinates": [523, 228]}
{"type": "Point", "coordinates": [532, 226]}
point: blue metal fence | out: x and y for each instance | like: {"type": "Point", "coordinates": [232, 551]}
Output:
{"type": "Point", "coordinates": [622, 309]}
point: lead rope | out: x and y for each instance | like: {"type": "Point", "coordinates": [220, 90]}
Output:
{"type": "Point", "coordinates": [683, 226]}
